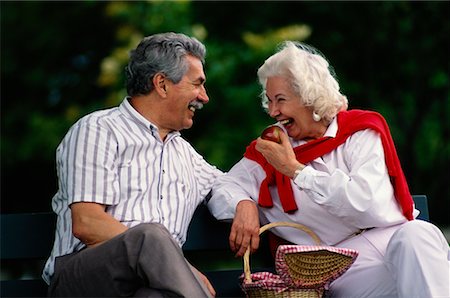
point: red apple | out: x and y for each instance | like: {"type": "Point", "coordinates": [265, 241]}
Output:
{"type": "Point", "coordinates": [272, 133]}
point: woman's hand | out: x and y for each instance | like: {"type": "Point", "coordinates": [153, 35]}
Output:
{"type": "Point", "coordinates": [280, 156]}
{"type": "Point", "coordinates": [245, 228]}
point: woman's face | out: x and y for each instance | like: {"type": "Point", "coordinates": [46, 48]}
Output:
{"type": "Point", "coordinates": [285, 106]}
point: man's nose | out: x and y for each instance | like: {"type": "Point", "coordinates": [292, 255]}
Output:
{"type": "Point", "coordinates": [203, 96]}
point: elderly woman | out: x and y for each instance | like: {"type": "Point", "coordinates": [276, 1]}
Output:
{"type": "Point", "coordinates": [337, 172]}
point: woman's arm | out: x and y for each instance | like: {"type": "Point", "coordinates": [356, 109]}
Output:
{"type": "Point", "coordinates": [233, 197]}
{"type": "Point", "coordinates": [356, 186]}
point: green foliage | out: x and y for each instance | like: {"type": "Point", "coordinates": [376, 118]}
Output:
{"type": "Point", "coordinates": [61, 60]}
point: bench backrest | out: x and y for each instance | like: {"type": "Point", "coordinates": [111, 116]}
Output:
{"type": "Point", "coordinates": [27, 239]}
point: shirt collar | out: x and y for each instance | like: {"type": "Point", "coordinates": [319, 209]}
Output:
{"type": "Point", "coordinates": [332, 129]}
{"type": "Point", "coordinates": [127, 109]}
{"type": "Point", "coordinates": [330, 132]}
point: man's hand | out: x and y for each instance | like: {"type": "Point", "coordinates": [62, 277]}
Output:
{"type": "Point", "coordinates": [245, 228]}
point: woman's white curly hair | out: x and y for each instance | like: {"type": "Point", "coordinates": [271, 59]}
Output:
{"type": "Point", "coordinates": [312, 78]}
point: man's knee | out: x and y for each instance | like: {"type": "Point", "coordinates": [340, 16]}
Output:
{"type": "Point", "coordinates": [149, 229]}
{"type": "Point", "coordinates": [150, 234]}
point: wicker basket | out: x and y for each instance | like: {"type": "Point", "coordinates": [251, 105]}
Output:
{"type": "Point", "coordinates": [303, 270]}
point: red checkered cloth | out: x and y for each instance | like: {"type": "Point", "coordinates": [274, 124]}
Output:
{"type": "Point", "coordinates": [329, 268]}
{"type": "Point", "coordinates": [264, 281]}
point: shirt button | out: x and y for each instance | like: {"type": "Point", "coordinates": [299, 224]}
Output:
{"type": "Point", "coordinates": [161, 197]}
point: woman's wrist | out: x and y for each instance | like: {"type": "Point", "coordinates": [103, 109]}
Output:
{"type": "Point", "coordinates": [297, 170]}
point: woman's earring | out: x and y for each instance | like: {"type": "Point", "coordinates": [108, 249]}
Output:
{"type": "Point", "coordinates": [316, 117]}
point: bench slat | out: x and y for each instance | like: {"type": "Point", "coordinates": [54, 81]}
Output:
{"type": "Point", "coordinates": [27, 235]}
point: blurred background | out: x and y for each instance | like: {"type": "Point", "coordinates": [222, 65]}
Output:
{"type": "Point", "coordinates": [62, 60]}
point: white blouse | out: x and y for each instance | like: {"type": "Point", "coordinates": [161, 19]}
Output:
{"type": "Point", "coordinates": [337, 194]}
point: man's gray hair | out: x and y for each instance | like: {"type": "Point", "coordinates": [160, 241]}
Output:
{"type": "Point", "coordinates": [160, 53]}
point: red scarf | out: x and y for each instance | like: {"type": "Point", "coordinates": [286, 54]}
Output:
{"type": "Point", "coordinates": [348, 122]}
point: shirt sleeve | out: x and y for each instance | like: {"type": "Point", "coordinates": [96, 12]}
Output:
{"type": "Point", "coordinates": [358, 189]}
{"type": "Point", "coordinates": [86, 164]}
{"type": "Point", "coordinates": [240, 183]}
{"type": "Point", "coordinates": [205, 173]}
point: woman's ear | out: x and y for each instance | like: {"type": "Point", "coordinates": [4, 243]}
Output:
{"type": "Point", "coordinates": [160, 84]}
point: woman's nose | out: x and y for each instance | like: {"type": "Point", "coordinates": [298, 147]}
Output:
{"type": "Point", "coordinates": [273, 110]}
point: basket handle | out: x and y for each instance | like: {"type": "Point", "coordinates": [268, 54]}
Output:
{"type": "Point", "coordinates": [247, 273]}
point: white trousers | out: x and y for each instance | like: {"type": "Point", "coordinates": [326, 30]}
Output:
{"type": "Point", "coordinates": [408, 260]}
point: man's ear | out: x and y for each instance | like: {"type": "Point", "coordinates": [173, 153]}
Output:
{"type": "Point", "coordinates": [160, 84]}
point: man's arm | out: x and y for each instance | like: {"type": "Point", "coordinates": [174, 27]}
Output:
{"type": "Point", "coordinates": [92, 225]}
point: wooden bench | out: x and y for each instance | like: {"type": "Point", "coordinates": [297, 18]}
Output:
{"type": "Point", "coordinates": [27, 239]}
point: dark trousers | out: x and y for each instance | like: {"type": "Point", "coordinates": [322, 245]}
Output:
{"type": "Point", "coordinates": [144, 261]}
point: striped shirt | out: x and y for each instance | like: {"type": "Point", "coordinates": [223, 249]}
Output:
{"type": "Point", "coordinates": [115, 157]}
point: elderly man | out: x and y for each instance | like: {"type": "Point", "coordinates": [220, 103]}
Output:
{"type": "Point", "coordinates": [129, 183]}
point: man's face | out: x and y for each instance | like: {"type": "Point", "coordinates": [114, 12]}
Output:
{"type": "Point", "coordinates": [183, 98]}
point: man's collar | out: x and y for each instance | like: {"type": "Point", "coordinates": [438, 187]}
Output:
{"type": "Point", "coordinates": [127, 109]}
